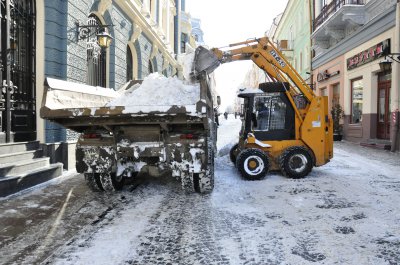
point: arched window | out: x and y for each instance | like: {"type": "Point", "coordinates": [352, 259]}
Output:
{"type": "Point", "coordinates": [151, 68]}
{"type": "Point", "coordinates": [96, 58]}
{"type": "Point", "coordinates": [129, 64]}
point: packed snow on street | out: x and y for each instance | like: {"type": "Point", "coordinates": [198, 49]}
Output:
{"type": "Point", "coordinates": [345, 212]}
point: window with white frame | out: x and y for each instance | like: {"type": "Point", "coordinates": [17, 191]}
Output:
{"type": "Point", "coordinates": [357, 96]}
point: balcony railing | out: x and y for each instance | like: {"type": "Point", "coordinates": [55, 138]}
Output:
{"type": "Point", "coordinates": [328, 10]}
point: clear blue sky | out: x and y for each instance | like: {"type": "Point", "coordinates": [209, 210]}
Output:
{"type": "Point", "coordinates": [226, 21]}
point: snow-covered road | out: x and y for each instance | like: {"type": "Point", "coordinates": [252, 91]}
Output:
{"type": "Point", "coordinates": [345, 212]}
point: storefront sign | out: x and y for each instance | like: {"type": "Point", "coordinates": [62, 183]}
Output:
{"type": "Point", "coordinates": [325, 75]}
{"type": "Point", "coordinates": [369, 55]}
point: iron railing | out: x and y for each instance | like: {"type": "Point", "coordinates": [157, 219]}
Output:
{"type": "Point", "coordinates": [328, 10]}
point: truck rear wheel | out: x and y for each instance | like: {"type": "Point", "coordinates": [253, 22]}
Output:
{"type": "Point", "coordinates": [253, 164]}
{"type": "Point", "coordinates": [204, 182]}
{"type": "Point", "coordinates": [295, 162]}
{"type": "Point", "coordinates": [93, 181]}
{"type": "Point", "coordinates": [111, 182]}
{"type": "Point", "coordinates": [233, 154]}
{"type": "Point", "coordinates": [187, 182]}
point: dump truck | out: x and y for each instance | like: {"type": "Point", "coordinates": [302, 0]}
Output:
{"type": "Point", "coordinates": [120, 141]}
{"type": "Point", "coordinates": [285, 126]}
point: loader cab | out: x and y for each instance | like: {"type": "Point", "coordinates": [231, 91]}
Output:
{"type": "Point", "coordinates": [268, 113]}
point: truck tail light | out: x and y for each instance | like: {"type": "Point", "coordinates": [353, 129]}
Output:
{"type": "Point", "coordinates": [189, 136]}
{"type": "Point", "coordinates": [91, 136]}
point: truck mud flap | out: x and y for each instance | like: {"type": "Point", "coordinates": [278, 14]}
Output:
{"type": "Point", "coordinates": [95, 159]}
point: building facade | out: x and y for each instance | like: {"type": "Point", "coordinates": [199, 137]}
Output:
{"type": "Point", "coordinates": [290, 32]}
{"type": "Point", "coordinates": [197, 32]}
{"type": "Point", "coordinates": [350, 39]}
{"type": "Point", "coordinates": [292, 35]}
{"type": "Point", "coordinates": [49, 40]}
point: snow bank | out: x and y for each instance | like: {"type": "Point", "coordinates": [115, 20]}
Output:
{"type": "Point", "coordinates": [158, 90]}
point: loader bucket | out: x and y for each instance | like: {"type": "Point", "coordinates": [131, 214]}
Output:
{"type": "Point", "coordinates": [204, 61]}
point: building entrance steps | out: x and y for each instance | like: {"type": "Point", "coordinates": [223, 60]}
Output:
{"type": "Point", "coordinates": [22, 166]}
{"type": "Point", "coordinates": [377, 143]}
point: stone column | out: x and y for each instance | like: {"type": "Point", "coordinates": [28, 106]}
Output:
{"type": "Point", "coordinates": [395, 99]}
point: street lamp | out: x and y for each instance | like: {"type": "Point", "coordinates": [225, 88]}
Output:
{"type": "Point", "coordinates": [104, 39]}
{"type": "Point", "coordinates": [386, 64]}
{"type": "Point", "coordinates": [88, 31]}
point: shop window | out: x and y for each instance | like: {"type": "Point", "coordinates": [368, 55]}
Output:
{"type": "Point", "coordinates": [336, 94]}
{"type": "Point", "coordinates": [356, 100]}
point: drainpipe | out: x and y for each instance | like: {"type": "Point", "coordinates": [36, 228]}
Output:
{"type": "Point", "coordinates": [395, 84]}
{"type": "Point", "coordinates": [8, 73]}
{"type": "Point", "coordinates": [310, 10]}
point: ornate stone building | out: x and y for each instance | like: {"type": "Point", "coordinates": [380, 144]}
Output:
{"type": "Point", "coordinates": [48, 39]}
{"type": "Point", "coordinates": [350, 40]}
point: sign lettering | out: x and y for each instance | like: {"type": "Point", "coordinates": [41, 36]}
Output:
{"type": "Point", "coordinates": [369, 55]}
{"type": "Point", "coordinates": [277, 58]}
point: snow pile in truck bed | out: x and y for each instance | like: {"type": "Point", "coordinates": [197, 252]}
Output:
{"type": "Point", "coordinates": [187, 60]}
{"type": "Point", "coordinates": [158, 93]}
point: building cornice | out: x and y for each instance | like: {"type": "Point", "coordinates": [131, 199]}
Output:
{"type": "Point", "coordinates": [372, 29]}
{"type": "Point", "coordinates": [133, 10]}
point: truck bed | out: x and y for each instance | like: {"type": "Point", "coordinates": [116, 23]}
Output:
{"type": "Point", "coordinates": [63, 103]}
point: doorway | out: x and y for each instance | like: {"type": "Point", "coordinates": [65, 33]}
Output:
{"type": "Point", "coordinates": [384, 85]}
{"type": "Point", "coordinates": [17, 74]}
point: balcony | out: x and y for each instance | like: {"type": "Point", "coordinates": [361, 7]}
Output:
{"type": "Point", "coordinates": [337, 19]}
{"type": "Point", "coordinates": [329, 10]}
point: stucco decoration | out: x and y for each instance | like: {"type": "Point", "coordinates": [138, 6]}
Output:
{"type": "Point", "coordinates": [357, 18]}
{"type": "Point", "coordinates": [322, 43]}
{"type": "Point", "coordinates": [336, 33]}
{"type": "Point", "coordinates": [137, 30]}
{"type": "Point", "coordinates": [165, 63]}
{"type": "Point", "coordinates": [104, 5]}
{"type": "Point", "coordinates": [154, 51]}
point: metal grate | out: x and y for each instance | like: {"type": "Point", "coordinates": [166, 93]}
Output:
{"type": "Point", "coordinates": [96, 57]}
{"type": "Point", "coordinates": [17, 65]}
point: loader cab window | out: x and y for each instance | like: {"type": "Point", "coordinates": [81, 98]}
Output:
{"type": "Point", "coordinates": [270, 112]}
{"type": "Point", "coordinates": [272, 117]}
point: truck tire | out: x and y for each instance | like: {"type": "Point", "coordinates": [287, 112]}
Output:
{"type": "Point", "coordinates": [187, 182]}
{"type": "Point", "coordinates": [111, 182]}
{"type": "Point", "coordinates": [93, 181]}
{"type": "Point", "coordinates": [253, 164]}
{"type": "Point", "coordinates": [232, 153]}
{"type": "Point", "coordinates": [295, 162]}
{"type": "Point", "coordinates": [204, 183]}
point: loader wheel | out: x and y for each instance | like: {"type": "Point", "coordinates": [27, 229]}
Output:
{"type": "Point", "coordinates": [93, 181]}
{"type": "Point", "coordinates": [295, 162]}
{"type": "Point", "coordinates": [111, 182]}
{"type": "Point", "coordinates": [253, 164]}
{"type": "Point", "coordinates": [232, 153]}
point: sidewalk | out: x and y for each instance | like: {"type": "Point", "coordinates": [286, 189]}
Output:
{"type": "Point", "coordinates": [384, 156]}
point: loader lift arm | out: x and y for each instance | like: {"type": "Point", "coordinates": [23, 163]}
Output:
{"type": "Point", "coordinates": [264, 54]}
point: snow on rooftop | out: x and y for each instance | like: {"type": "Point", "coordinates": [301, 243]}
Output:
{"type": "Point", "coordinates": [157, 91]}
